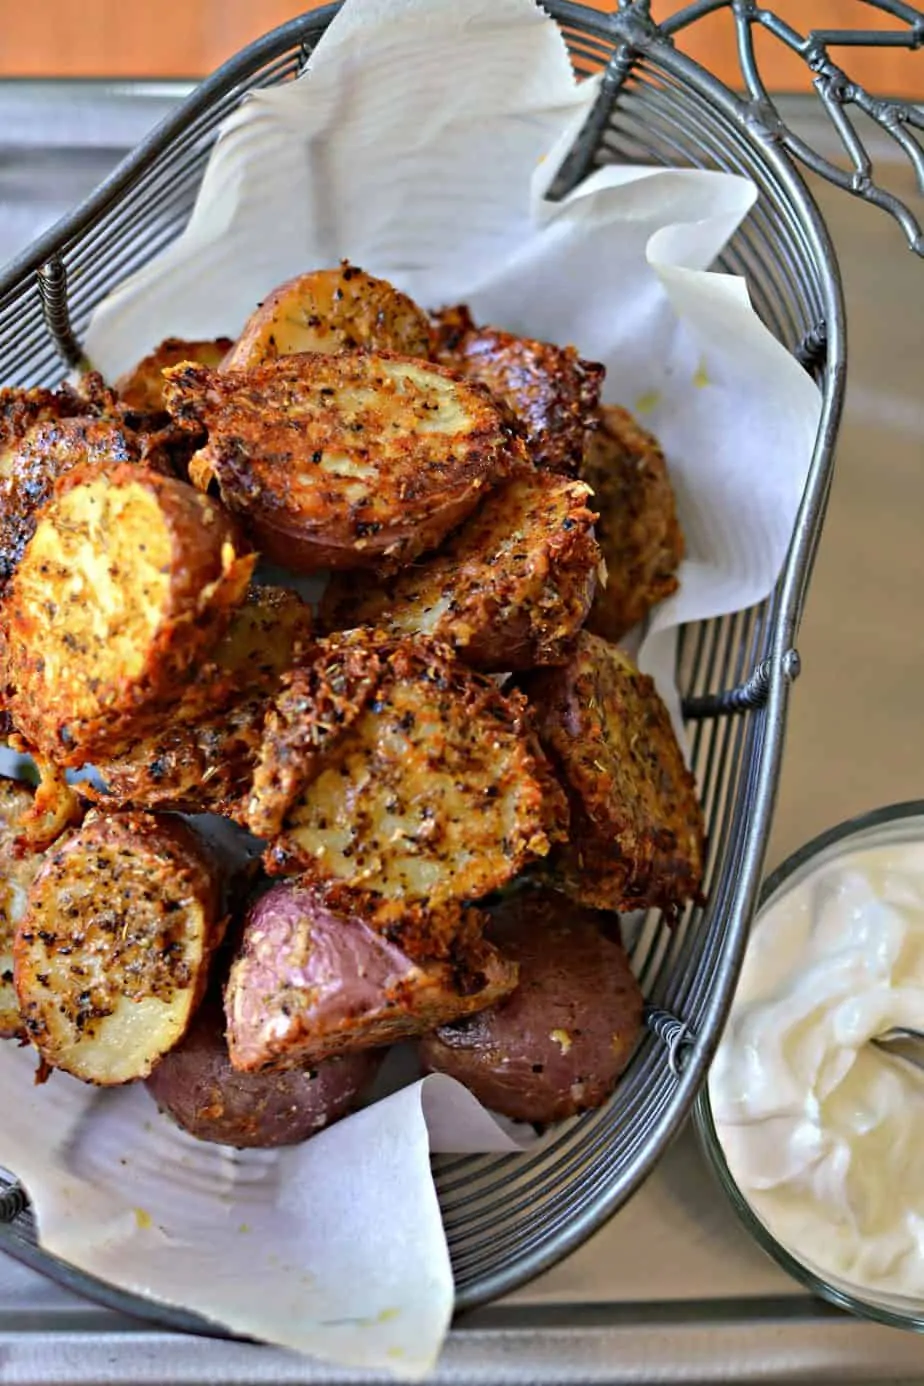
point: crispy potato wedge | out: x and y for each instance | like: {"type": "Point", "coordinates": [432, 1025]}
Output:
{"type": "Point", "coordinates": [402, 784]}
{"type": "Point", "coordinates": [197, 1088]}
{"type": "Point", "coordinates": [509, 590]}
{"type": "Point", "coordinates": [202, 755]}
{"type": "Point", "coordinates": [348, 461]}
{"type": "Point", "coordinates": [557, 1044]}
{"type": "Point", "coordinates": [550, 389]}
{"type": "Point", "coordinates": [637, 528]}
{"type": "Point", "coordinates": [17, 872]}
{"type": "Point", "coordinates": [328, 311]}
{"type": "Point", "coordinates": [129, 579]}
{"type": "Point", "coordinates": [310, 983]}
{"type": "Point", "coordinates": [637, 833]}
{"type": "Point", "coordinates": [142, 388]}
{"type": "Point", "coordinates": [112, 956]}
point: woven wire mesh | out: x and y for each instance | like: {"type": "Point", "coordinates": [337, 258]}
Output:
{"type": "Point", "coordinates": [509, 1217]}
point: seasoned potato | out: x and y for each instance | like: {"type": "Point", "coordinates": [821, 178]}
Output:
{"type": "Point", "coordinates": [637, 836]}
{"type": "Point", "coordinates": [400, 782]}
{"type": "Point", "coordinates": [509, 590]}
{"type": "Point", "coordinates": [202, 755]}
{"type": "Point", "coordinates": [17, 872]}
{"type": "Point", "coordinates": [558, 1043]}
{"type": "Point", "coordinates": [310, 983]}
{"type": "Point", "coordinates": [128, 580]}
{"type": "Point", "coordinates": [21, 410]}
{"type": "Point", "coordinates": [550, 389]}
{"type": "Point", "coordinates": [331, 310]}
{"type": "Point", "coordinates": [142, 388]}
{"type": "Point", "coordinates": [196, 1086]}
{"type": "Point", "coordinates": [112, 956]}
{"type": "Point", "coordinates": [637, 525]}
{"type": "Point", "coordinates": [346, 461]}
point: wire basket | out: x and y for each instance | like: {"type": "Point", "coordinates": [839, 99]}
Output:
{"type": "Point", "coordinates": [507, 1218]}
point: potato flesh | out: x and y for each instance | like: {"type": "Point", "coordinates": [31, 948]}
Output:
{"type": "Point", "coordinates": [329, 311]}
{"type": "Point", "coordinates": [17, 872]}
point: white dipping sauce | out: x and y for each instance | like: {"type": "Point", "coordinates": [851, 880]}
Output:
{"type": "Point", "coordinates": [822, 1132]}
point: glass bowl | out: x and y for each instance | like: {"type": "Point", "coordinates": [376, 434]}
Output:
{"type": "Point", "coordinates": [881, 827]}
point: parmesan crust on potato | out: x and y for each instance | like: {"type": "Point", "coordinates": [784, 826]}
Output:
{"type": "Point", "coordinates": [401, 783]}
{"type": "Point", "coordinates": [509, 590]}
{"type": "Point", "coordinates": [310, 983]}
{"type": "Point", "coordinates": [202, 755]}
{"type": "Point", "coordinates": [141, 389]}
{"type": "Point", "coordinates": [111, 958]}
{"type": "Point", "coordinates": [637, 526]}
{"type": "Point", "coordinates": [637, 833]}
{"type": "Point", "coordinates": [127, 582]}
{"type": "Point", "coordinates": [552, 392]}
{"type": "Point", "coordinates": [331, 310]}
{"type": "Point", "coordinates": [18, 870]}
{"type": "Point", "coordinates": [345, 461]}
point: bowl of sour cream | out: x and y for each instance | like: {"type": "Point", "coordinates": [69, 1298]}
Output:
{"type": "Point", "coordinates": [815, 1131]}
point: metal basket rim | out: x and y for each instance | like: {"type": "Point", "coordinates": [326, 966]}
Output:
{"type": "Point", "coordinates": [638, 43]}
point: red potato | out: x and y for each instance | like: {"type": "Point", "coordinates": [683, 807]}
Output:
{"type": "Point", "coordinates": [309, 983]}
{"type": "Point", "coordinates": [557, 1045]}
{"type": "Point", "coordinates": [197, 1088]}
{"type": "Point", "coordinates": [112, 956]}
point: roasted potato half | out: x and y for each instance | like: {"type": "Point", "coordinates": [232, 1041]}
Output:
{"type": "Point", "coordinates": [197, 1088]}
{"type": "Point", "coordinates": [310, 983]}
{"type": "Point", "coordinates": [550, 389]}
{"type": "Point", "coordinates": [17, 872]}
{"type": "Point", "coordinates": [509, 590]}
{"type": "Point", "coordinates": [637, 834]}
{"type": "Point", "coordinates": [637, 526]}
{"type": "Point", "coordinates": [349, 461]}
{"type": "Point", "coordinates": [401, 783]}
{"type": "Point", "coordinates": [112, 956]}
{"type": "Point", "coordinates": [21, 410]}
{"type": "Point", "coordinates": [331, 310]}
{"type": "Point", "coordinates": [558, 1043]}
{"type": "Point", "coordinates": [141, 389]}
{"type": "Point", "coordinates": [202, 755]}
{"type": "Point", "coordinates": [129, 579]}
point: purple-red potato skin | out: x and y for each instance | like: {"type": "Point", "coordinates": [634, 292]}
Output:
{"type": "Point", "coordinates": [198, 1089]}
{"type": "Point", "coordinates": [557, 1045]}
{"type": "Point", "coordinates": [308, 984]}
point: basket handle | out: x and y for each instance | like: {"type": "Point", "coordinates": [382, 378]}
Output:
{"type": "Point", "coordinates": [836, 91]}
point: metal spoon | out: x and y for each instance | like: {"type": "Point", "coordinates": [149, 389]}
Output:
{"type": "Point", "coordinates": [902, 1043]}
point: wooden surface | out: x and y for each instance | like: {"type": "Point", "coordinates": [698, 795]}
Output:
{"type": "Point", "coordinates": [141, 38]}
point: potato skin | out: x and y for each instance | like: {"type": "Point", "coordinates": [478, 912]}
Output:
{"type": "Point", "coordinates": [87, 672]}
{"type": "Point", "coordinates": [18, 870]}
{"type": "Point", "coordinates": [328, 311]}
{"type": "Point", "coordinates": [402, 784]}
{"type": "Point", "coordinates": [550, 389]}
{"type": "Point", "coordinates": [509, 590]}
{"type": "Point", "coordinates": [637, 525]}
{"type": "Point", "coordinates": [309, 983]}
{"type": "Point", "coordinates": [198, 1089]}
{"type": "Point", "coordinates": [111, 959]}
{"type": "Point", "coordinates": [557, 1045]}
{"type": "Point", "coordinates": [637, 836]}
{"type": "Point", "coordinates": [354, 460]}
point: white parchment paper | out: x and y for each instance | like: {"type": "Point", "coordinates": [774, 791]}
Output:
{"type": "Point", "coordinates": [419, 145]}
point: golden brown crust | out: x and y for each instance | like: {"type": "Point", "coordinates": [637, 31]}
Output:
{"type": "Point", "coordinates": [142, 388]}
{"type": "Point", "coordinates": [310, 982]}
{"type": "Point", "coordinates": [637, 529]}
{"type": "Point", "coordinates": [128, 580]}
{"type": "Point", "coordinates": [637, 833]}
{"type": "Point", "coordinates": [509, 590]}
{"type": "Point", "coordinates": [347, 461]}
{"type": "Point", "coordinates": [551, 390]}
{"type": "Point", "coordinates": [112, 956]}
{"type": "Point", "coordinates": [17, 872]}
{"type": "Point", "coordinates": [329, 311]}
{"type": "Point", "coordinates": [401, 784]}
